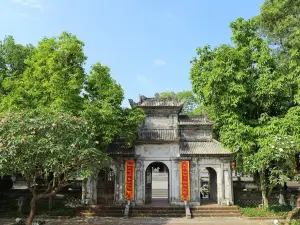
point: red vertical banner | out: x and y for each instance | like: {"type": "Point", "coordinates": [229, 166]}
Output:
{"type": "Point", "coordinates": [129, 179]}
{"type": "Point", "coordinates": [185, 180]}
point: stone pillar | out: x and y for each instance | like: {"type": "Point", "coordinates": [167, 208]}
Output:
{"type": "Point", "coordinates": [117, 185]}
{"type": "Point", "coordinates": [228, 185]}
{"type": "Point", "coordinates": [221, 185]}
{"type": "Point", "coordinates": [94, 192]}
{"type": "Point", "coordinates": [175, 182]}
{"type": "Point", "coordinates": [83, 192]}
{"type": "Point", "coordinates": [138, 183]}
{"type": "Point", "coordinates": [194, 188]}
{"type": "Point", "coordinates": [88, 191]}
{"type": "Point", "coordinates": [199, 179]}
{"type": "Point", "coordinates": [143, 181]}
{"type": "Point", "coordinates": [121, 183]}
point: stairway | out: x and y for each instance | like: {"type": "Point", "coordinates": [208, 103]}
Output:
{"type": "Point", "coordinates": [102, 211]}
{"type": "Point", "coordinates": [159, 193]}
{"type": "Point", "coordinates": [155, 211]}
{"type": "Point", "coordinates": [215, 211]}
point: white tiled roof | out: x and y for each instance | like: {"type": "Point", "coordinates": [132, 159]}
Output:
{"type": "Point", "coordinates": [203, 148]}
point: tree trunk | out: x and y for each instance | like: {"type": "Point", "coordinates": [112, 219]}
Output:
{"type": "Point", "coordinates": [293, 212]}
{"type": "Point", "coordinates": [32, 211]}
{"type": "Point", "coordinates": [263, 187]}
{"type": "Point", "coordinates": [265, 199]}
{"type": "Point", "coordinates": [50, 203]}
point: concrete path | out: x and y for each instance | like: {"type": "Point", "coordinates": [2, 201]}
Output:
{"type": "Point", "coordinates": [150, 221]}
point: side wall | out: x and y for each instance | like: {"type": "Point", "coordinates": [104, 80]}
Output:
{"type": "Point", "coordinates": [224, 181]}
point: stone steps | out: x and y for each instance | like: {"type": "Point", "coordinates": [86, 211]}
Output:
{"type": "Point", "coordinates": [221, 211]}
{"type": "Point", "coordinates": [159, 193]}
{"type": "Point", "coordinates": [175, 212]}
{"type": "Point", "coordinates": [102, 211]}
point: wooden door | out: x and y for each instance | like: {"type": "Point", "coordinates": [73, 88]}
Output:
{"type": "Point", "coordinates": [106, 187]}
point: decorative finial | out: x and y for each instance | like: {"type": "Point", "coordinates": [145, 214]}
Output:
{"type": "Point", "coordinates": [142, 98]}
{"type": "Point", "coordinates": [204, 114]}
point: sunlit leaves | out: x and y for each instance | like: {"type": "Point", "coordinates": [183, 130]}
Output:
{"type": "Point", "coordinates": [60, 143]}
{"type": "Point", "coordinates": [249, 93]}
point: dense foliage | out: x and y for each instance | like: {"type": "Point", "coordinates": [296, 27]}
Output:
{"type": "Point", "coordinates": [251, 95]}
{"type": "Point", "coordinates": [56, 119]}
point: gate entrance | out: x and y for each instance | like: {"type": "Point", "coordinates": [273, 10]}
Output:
{"type": "Point", "coordinates": [106, 186]}
{"type": "Point", "coordinates": [209, 187]}
{"type": "Point", "coordinates": [157, 184]}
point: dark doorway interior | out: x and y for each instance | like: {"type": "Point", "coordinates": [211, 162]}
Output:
{"type": "Point", "coordinates": [106, 186]}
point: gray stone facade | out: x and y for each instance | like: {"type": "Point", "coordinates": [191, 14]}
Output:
{"type": "Point", "coordinates": [168, 137]}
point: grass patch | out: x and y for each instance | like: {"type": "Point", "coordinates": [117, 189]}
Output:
{"type": "Point", "coordinates": [272, 211]}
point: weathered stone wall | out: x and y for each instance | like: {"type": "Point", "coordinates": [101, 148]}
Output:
{"type": "Point", "coordinates": [220, 172]}
{"type": "Point", "coordinates": [164, 122]}
{"type": "Point", "coordinates": [168, 154]}
{"type": "Point", "coordinates": [195, 133]}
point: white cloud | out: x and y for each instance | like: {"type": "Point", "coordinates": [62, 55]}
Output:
{"type": "Point", "coordinates": [170, 15]}
{"type": "Point", "coordinates": [159, 62]}
{"type": "Point", "coordinates": [30, 3]}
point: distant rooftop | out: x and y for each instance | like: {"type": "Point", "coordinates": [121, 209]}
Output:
{"type": "Point", "coordinates": [157, 101]}
{"type": "Point", "coordinates": [203, 148]}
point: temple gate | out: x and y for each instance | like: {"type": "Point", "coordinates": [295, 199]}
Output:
{"type": "Point", "coordinates": [165, 140]}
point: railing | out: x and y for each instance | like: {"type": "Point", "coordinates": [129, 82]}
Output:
{"type": "Point", "coordinates": [158, 134]}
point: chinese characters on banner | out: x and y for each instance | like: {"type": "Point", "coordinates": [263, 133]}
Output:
{"type": "Point", "coordinates": [129, 180]}
{"type": "Point", "coordinates": [185, 180]}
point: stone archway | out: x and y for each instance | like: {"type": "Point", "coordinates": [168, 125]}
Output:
{"type": "Point", "coordinates": [157, 184]}
{"type": "Point", "coordinates": [209, 188]}
{"type": "Point", "coordinates": [106, 186]}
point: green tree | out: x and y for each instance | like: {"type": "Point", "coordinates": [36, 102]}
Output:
{"type": "Point", "coordinates": [243, 89]}
{"type": "Point", "coordinates": [40, 145]}
{"type": "Point", "coordinates": [52, 82]}
{"type": "Point", "coordinates": [191, 103]}
{"type": "Point", "coordinates": [102, 108]}
{"type": "Point", "coordinates": [53, 77]}
{"type": "Point", "coordinates": [280, 22]}
{"type": "Point", "coordinates": [12, 63]}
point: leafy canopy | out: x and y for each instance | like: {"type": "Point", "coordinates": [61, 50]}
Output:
{"type": "Point", "coordinates": [53, 77]}
{"type": "Point", "coordinates": [60, 144]}
{"type": "Point", "coordinates": [244, 89]}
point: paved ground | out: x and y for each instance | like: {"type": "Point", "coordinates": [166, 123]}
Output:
{"type": "Point", "coordinates": [150, 221]}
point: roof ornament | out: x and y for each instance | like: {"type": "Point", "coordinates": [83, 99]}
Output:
{"type": "Point", "coordinates": [157, 96]}
{"type": "Point", "coordinates": [142, 98]}
{"type": "Point", "coordinates": [204, 114]}
{"type": "Point", "coordinates": [131, 102]}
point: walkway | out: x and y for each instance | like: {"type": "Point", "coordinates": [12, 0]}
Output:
{"type": "Point", "coordinates": [149, 221]}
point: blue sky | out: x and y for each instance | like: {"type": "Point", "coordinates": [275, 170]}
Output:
{"type": "Point", "coordinates": [148, 44]}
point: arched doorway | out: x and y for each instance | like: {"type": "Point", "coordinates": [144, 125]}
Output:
{"type": "Point", "coordinates": [157, 184]}
{"type": "Point", "coordinates": [106, 186]}
{"type": "Point", "coordinates": [209, 189]}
